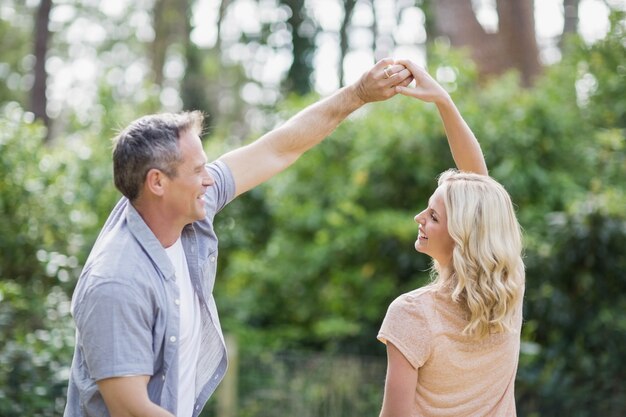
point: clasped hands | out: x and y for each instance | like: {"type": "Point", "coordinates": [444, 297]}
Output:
{"type": "Point", "coordinates": [390, 77]}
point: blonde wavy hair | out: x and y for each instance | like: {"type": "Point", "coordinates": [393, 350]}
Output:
{"type": "Point", "coordinates": [487, 271]}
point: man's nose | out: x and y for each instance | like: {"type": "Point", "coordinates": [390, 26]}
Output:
{"type": "Point", "coordinates": [208, 179]}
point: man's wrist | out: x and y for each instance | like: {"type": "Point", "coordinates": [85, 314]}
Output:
{"type": "Point", "coordinates": [355, 96]}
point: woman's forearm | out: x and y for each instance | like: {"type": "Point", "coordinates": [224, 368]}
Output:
{"type": "Point", "coordinates": [464, 146]}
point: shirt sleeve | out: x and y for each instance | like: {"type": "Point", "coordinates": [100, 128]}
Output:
{"type": "Point", "coordinates": [114, 328]}
{"type": "Point", "coordinates": [224, 187]}
{"type": "Point", "coordinates": [405, 326]}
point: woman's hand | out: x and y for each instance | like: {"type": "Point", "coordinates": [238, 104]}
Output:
{"type": "Point", "coordinates": [426, 88]}
{"type": "Point", "coordinates": [463, 144]}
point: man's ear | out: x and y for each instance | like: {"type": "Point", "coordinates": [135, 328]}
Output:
{"type": "Point", "coordinates": [155, 182]}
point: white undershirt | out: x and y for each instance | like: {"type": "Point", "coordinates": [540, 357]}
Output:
{"type": "Point", "coordinates": [189, 335]}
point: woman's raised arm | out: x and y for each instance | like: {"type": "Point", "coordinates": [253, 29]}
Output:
{"type": "Point", "coordinates": [463, 144]}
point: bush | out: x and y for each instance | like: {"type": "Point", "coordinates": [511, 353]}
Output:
{"type": "Point", "coordinates": [52, 200]}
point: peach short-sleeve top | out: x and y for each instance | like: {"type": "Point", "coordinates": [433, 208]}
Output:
{"type": "Point", "coordinates": [456, 376]}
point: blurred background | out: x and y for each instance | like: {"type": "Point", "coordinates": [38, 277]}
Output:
{"type": "Point", "coordinates": [311, 260]}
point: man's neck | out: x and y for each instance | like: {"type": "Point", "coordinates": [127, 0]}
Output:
{"type": "Point", "coordinates": [164, 229]}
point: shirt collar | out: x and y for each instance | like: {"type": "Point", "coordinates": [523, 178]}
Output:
{"type": "Point", "coordinates": [149, 242]}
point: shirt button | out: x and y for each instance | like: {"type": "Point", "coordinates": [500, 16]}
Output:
{"type": "Point", "coordinates": [212, 258]}
{"type": "Point", "coordinates": [177, 302]}
{"type": "Point", "coordinates": [163, 377]}
{"type": "Point", "coordinates": [173, 339]}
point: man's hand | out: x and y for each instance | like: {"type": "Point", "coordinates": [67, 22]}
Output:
{"type": "Point", "coordinates": [379, 83]}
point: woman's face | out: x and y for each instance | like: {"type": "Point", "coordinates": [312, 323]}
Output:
{"type": "Point", "coordinates": [433, 238]}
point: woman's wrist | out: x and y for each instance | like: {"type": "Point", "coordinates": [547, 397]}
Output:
{"type": "Point", "coordinates": [444, 99]}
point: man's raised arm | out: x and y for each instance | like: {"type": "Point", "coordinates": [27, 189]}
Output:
{"type": "Point", "coordinates": [273, 152]}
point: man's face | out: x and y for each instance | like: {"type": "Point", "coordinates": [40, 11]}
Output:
{"type": "Point", "coordinates": [184, 194]}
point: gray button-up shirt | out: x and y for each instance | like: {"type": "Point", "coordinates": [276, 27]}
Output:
{"type": "Point", "coordinates": [126, 308]}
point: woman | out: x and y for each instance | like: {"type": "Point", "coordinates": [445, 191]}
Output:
{"type": "Point", "coordinates": [453, 345]}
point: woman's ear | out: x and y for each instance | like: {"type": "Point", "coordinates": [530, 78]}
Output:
{"type": "Point", "coordinates": [155, 182]}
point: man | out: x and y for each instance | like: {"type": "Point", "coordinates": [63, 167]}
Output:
{"type": "Point", "coordinates": [148, 337]}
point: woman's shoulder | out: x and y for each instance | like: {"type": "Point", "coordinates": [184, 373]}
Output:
{"type": "Point", "coordinates": [419, 300]}
{"type": "Point", "coordinates": [420, 295]}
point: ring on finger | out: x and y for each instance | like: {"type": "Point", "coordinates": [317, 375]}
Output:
{"type": "Point", "coordinates": [386, 71]}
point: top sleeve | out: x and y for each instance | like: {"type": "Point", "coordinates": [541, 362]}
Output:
{"type": "Point", "coordinates": [224, 187]}
{"type": "Point", "coordinates": [407, 328]}
{"type": "Point", "coordinates": [115, 331]}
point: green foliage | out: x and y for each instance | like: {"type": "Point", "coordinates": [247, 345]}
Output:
{"type": "Point", "coordinates": [576, 316]}
{"type": "Point", "coordinates": [575, 304]}
{"type": "Point", "coordinates": [34, 361]}
{"type": "Point", "coordinates": [306, 384]}
{"type": "Point", "coordinates": [603, 77]}
{"type": "Point", "coordinates": [16, 60]}
{"type": "Point", "coordinates": [53, 201]}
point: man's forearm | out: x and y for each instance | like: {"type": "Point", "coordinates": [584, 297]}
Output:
{"type": "Point", "coordinates": [128, 397]}
{"type": "Point", "coordinates": [311, 125]}
{"type": "Point", "coordinates": [273, 152]}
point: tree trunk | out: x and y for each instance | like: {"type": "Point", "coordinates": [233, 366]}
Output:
{"type": "Point", "coordinates": [570, 16]}
{"type": "Point", "coordinates": [374, 29]}
{"type": "Point", "coordinates": [169, 22]}
{"type": "Point", "coordinates": [517, 26]}
{"type": "Point", "coordinates": [570, 20]}
{"type": "Point", "coordinates": [220, 18]}
{"type": "Point", "coordinates": [348, 8]}
{"type": "Point", "coordinates": [455, 19]}
{"type": "Point", "coordinates": [513, 46]}
{"type": "Point", "coordinates": [38, 98]}
{"type": "Point", "coordinates": [430, 25]}
{"type": "Point", "coordinates": [384, 42]}
{"type": "Point", "coordinates": [303, 44]}
{"type": "Point", "coordinates": [159, 44]}
{"type": "Point", "coordinates": [194, 85]}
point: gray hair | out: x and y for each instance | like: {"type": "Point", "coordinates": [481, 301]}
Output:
{"type": "Point", "coordinates": [147, 143]}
